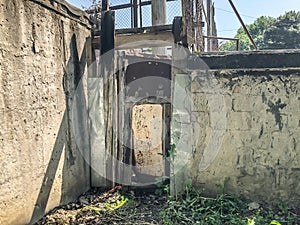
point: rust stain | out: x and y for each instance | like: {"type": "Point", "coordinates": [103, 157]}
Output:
{"type": "Point", "coordinates": [147, 126]}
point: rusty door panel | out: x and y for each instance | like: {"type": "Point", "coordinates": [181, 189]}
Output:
{"type": "Point", "coordinates": [147, 128]}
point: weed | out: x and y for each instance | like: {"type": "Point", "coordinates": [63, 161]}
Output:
{"type": "Point", "coordinates": [194, 208]}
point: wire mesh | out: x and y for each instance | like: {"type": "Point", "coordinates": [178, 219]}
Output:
{"type": "Point", "coordinates": [173, 9]}
{"type": "Point", "coordinates": [146, 15]}
{"type": "Point", "coordinates": [118, 2]}
{"type": "Point", "coordinates": [123, 18]}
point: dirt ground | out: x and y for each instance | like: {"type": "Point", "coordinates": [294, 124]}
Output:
{"type": "Point", "coordinates": [111, 207]}
{"type": "Point", "coordinates": [119, 206]}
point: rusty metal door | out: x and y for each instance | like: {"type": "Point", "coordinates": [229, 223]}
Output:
{"type": "Point", "coordinates": [147, 106]}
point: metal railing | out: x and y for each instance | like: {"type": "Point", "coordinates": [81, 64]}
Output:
{"type": "Point", "coordinates": [137, 13]}
{"type": "Point", "coordinates": [226, 38]}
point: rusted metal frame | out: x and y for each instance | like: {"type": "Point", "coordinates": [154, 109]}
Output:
{"type": "Point", "coordinates": [137, 30]}
{"type": "Point", "coordinates": [215, 44]}
{"type": "Point", "coordinates": [204, 12]}
{"type": "Point", "coordinates": [129, 5]}
{"type": "Point", "coordinates": [187, 23]}
{"type": "Point", "coordinates": [199, 34]}
{"type": "Point", "coordinates": [136, 9]}
{"type": "Point", "coordinates": [150, 29]}
{"type": "Point", "coordinates": [166, 138]}
{"type": "Point", "coordinates": [128, 145]}
{"type": "Point", "coordinates": [123, 6]}
{"type": "Point", "coordinates": [107, 65]}
{"type": "Point", "coordinates": [226, 38]}
{"type": "Point", "coordinates": [118, 118]}
{"type": "Point", "coordinates": [130, 101]}
{"type": "Point", "coordinates": [209, 23]}
{"type": "Point", "coordinates": [243, 24]}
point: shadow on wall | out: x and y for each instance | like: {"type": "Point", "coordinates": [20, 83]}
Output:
{"type": "Point", "coordinates": [72, 139]}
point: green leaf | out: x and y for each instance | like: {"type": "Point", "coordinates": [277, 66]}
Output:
{"type": "Point", "coordinates": [274, 222]}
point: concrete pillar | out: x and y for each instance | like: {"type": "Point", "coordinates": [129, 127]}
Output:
{"type": "Point", "coordinates": [159, 17]}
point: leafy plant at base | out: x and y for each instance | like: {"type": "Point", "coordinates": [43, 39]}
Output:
{"type": "Point", "coordinates": [194, 208]}
{"type": "Point", "coordinates": [170, 157]}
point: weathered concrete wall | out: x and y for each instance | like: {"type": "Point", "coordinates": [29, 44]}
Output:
{"type": "Point", "coordinates": [42, 59]}
{"type": "Point", "coordinates": [249, 132]}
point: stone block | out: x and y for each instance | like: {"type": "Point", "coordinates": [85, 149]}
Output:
{"type": "Point", "coordinates": [239, 121]}
{"type": "Point", "coordinates": [247, 103]}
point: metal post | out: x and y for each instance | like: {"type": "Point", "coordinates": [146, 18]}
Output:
{"type": "Point", "coordinates": [238, 44]}
{"type": "Point", "coordinates": [141, 14]}
{"type": "Point", "coordinates": [188, 36]}
{"type": "Point", "coordinates": [199, 33]}
{"type": "Point", "coordinates": [208, 11]}
{"type": "Point", "coordinates": [134, 13]}
{"type": "Point", "coordinates": [243, 25]}
{"type": "Point", "coordinates": [107, 31]}
{"type": "Point", "coordinates": [214, 43]}
{"type": "Point", "coordinates": [105, 5]}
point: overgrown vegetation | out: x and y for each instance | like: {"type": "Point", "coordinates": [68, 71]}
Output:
{"type": "Point", "coordinates": [191, 207]}
{"type": "Point", "coordinates": [194, 208]}
{"type": "Point", "coordinates": [269, 33]}
{"type": "Point", "coordinates": [127, 207]}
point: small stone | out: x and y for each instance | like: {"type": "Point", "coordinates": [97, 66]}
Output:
{"type": "Point", "coordinates": [83, 200]}
{"type": "Point", "coordinates": [253, 205]}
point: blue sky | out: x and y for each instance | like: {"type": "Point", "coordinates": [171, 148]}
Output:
{"type": "Point", "coordinates": [227, 23]}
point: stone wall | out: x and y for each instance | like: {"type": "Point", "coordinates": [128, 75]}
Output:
{"type": "Point", "coordinates": [246, 126]}
{"type": "Point", "coordinates": [42, 103]}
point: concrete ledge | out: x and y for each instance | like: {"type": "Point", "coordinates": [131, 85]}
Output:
{"type": "Point", "coordinates": [247, 60]}
{"type": "Point", "coordinates": [257, 72]}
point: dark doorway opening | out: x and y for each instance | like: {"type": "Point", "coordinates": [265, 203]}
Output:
{"type": "Point", "coordinates": [147, 104]}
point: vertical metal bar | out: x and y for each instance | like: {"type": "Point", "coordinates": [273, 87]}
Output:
{"type": "Point", "coordinates": [166, 136]}
{"type": "Point", "coordinates": [187, 20]}
{"type": "Point", "coordinates": [107, 31]}
{"type": "Point", "coordinates": [105, 5]}
{"type": "Point", "coordinates": [141, 13]}
{"type": "Point", "coordinates": [208, 11]}
{"type": "Point", "coordinates": [107, 64]}
{"type": "Point", "coordinates": [135, 13]}
{"type": "Point", "coordinates": [199, 32]}
{"type": "Point", "coordinates": [238, 44]}
{"type": "Point", "coordinates": [132, 12]}
{"type": "Point", "coordinates": [243, 25]}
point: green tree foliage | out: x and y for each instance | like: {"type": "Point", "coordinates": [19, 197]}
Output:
{"type": "Point", "coordinates": [284, 33]}
{"type": "Point", "coordinates": [256, 29]}
{"type": "Point", "coordinates": [269, 33]}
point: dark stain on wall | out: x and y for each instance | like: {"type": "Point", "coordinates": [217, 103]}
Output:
{"type": "Point", "coordinates": [261, 131]}
{"type": "Point", "coordinates": [275, 110]}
